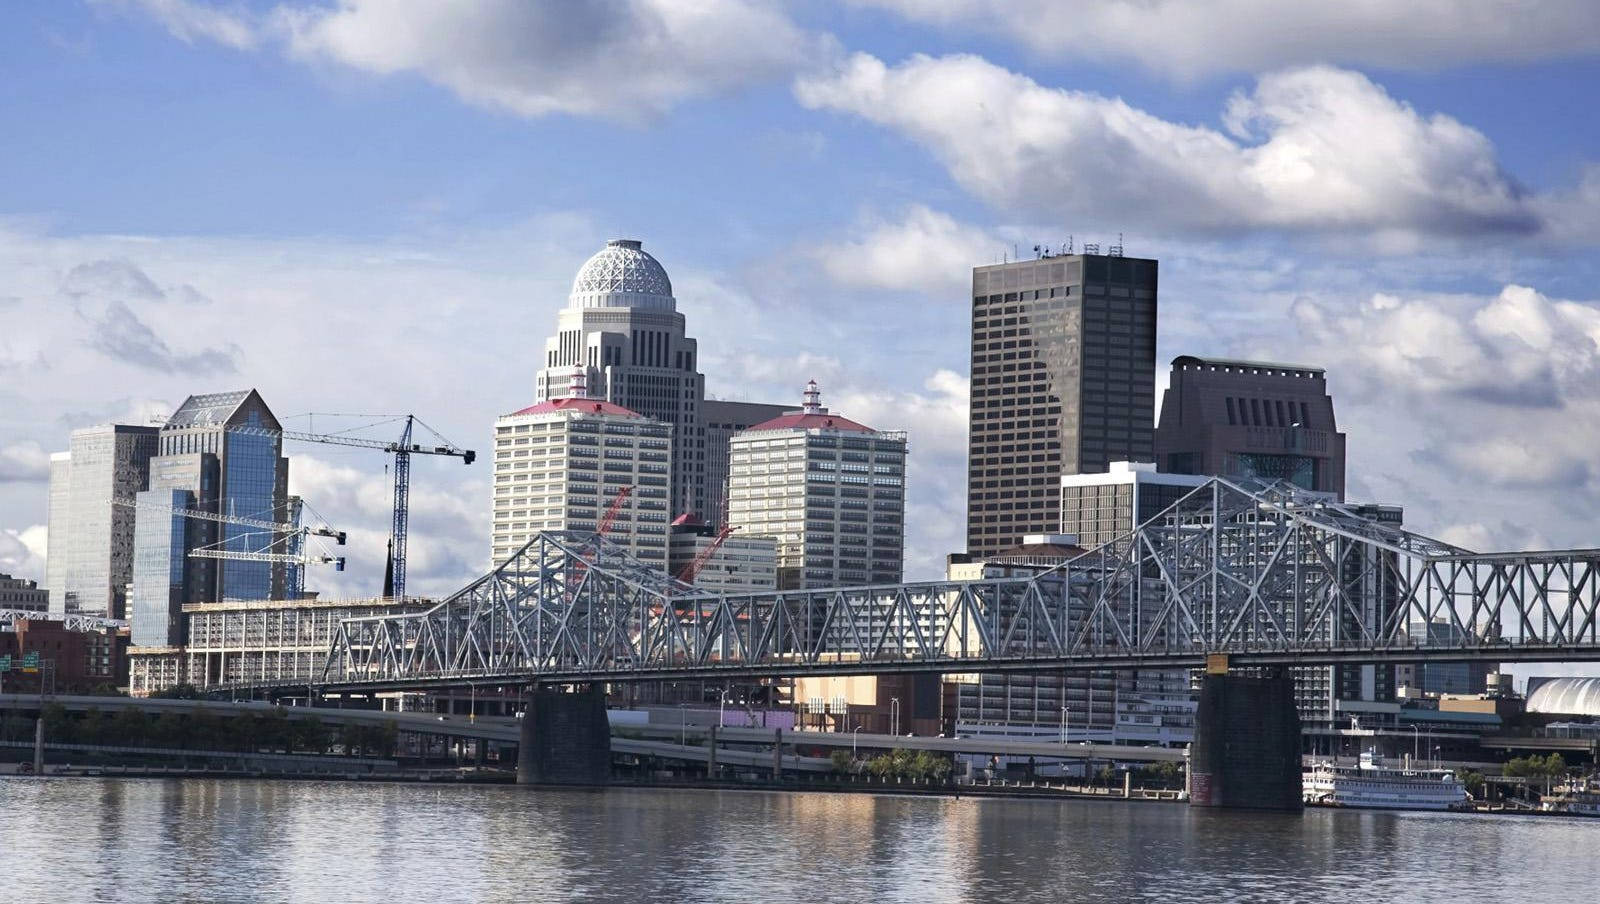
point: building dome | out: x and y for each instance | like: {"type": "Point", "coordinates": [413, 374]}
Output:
{"type": "Point", "coordinates": [622, 275]}
{"type": "Point", "coordinates": [1565, 696]}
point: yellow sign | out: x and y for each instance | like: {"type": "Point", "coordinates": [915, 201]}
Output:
{"type": "Point", "coordinates": [1216, 663]}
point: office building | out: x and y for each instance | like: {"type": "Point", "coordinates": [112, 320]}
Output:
{"type": "Point", "coordinates": [1152, 706]}
{"type": "Point", "coordinates": [1435, 678]}
{"type": "Point", "coordinates": [1251, 420]}
{"type": "Point", "coordinates": [1063, 382]}
{"type": "Point", "coordinates": [737, 564]}
{"type": "Point", "coordinates": [722, 421]}
{"type": "Point", "coordinates": [831, 490]}
{"type": "Point", "coordinates": [71, 660]}
{"type": "Point", "coordinates": [220, 455]}
{"type": "Point", "coordinates": [559, 465]}
{"type": "Point", "coordinates": [21, 595]}
{"type": "Point", "coordinates": [90, 533]}
{"type": "Point", "coordinates": [281, 641]}
{"type": "Point", "coordinates": [1098, 508]}
{"type": "Point", "coordinates": [622, 332]}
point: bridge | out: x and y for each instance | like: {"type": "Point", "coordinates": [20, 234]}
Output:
{"type": "Point", "coordinates": [1264, 576]}
{"type": "Point", "coordinates": [1240, 578]}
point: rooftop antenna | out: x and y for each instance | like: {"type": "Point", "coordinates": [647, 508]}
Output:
{"type": "Point", "coordinates": [1037, 252]}
{"type": "Point", "coordinates": [1116, 250]}
{"type": "Point", "coordinates": [1069, 243]}
{"type": "Point", "coordinates": [1091, 247]}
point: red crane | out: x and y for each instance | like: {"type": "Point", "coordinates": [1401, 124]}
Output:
{"type": "Point", "coordinates": [611, 513]}
{"type": "Point", "coordinates": [687, 575]}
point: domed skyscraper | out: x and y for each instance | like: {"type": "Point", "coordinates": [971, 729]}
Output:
{"type": "Point", "coordinates": [622, 331]}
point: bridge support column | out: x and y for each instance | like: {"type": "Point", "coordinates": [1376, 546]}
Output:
{"type": "Point", "coordinates": [1246, 750]}
{"type": "Point", "coordinates": [566, 739]}
{"type": "Point", "coordinates": [38, 746]}
{"type": "Point", "coordinates": [711, 756]}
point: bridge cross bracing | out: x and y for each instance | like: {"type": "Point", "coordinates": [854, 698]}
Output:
{"type": "Point", "coordinates": [1266, 574]}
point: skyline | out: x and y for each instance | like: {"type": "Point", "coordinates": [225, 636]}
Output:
{"type": "Point", "coordinates": [1448, 293]}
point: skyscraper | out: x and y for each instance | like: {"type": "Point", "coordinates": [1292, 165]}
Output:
{"type": "Point", "coordinates": [560, 464]}
{"type": "Point", "coordinates": [830, 489]}
{"type": "Point", "coordinates": [89, 561]}
{"type": "Point", "coordinates": [1251, 419]}
{"type": "Point", "coordinates": [1063, 382]}
{"type": "Point", "coordinates": [621, 327]}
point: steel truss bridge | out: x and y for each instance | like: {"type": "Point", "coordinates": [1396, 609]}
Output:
{"type": "Point", "coordinates": [1266, 574]}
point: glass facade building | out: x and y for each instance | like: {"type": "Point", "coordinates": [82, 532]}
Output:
{"type": "Point", "coordinates": [160, 550]}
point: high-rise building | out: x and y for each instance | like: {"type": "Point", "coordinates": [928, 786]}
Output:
{"type": "Point", "coordinates": [1098, 508]}
{"type": "Point", "coordinates": [560, 464]}
{"type": "Point", "coordinates": [28, 596]}
{"type": "Point", "coordinates": [89, 561]}
{"type": "Point", "coordinates": [1251, 419]}
{"type": "Point", "coordinates": [622, 329]}
{"type": "Point", "coordinates": [722, 421]}
{"type": "Point", "coordinates": [739, 564]}
{"type": "Point", "coordinates": [1063, 382]}
{"type": "Point", "coordinates": [831, 490]}
{"type": "Point", "coordinates": [222, 454]}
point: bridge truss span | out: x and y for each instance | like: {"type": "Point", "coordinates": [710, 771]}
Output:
{"type": "Point", "coordinates": [1266, 575]}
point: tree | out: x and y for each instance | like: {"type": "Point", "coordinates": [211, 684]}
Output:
{"type": "Point", "coordinates": [94, 727]}
{"type": "Point", "coordinates": [130, 727]}
{"type": "Point", "coordinates": [1473, 781]}
{"type": "Point", "coordinates": [178, 692]}
{"type": "Point", "coordinates": [841, 761]}
{"type": "Point", "coordinates": [310, 734]}
{"type": "Point", "coordinates": [58, 726]}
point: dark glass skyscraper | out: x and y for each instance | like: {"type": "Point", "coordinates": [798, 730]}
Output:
{"type": "Point", "coordinates": [1063, 382]}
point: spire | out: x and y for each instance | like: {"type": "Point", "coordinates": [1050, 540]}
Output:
{"type": "Point", "coordinates": [811, 400]}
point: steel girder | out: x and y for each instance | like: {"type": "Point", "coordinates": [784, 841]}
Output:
{"type": "Point", "coordinates": [1264, 572]}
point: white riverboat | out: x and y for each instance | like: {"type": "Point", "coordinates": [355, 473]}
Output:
{"type": "Point", "coordinates": [1372, 785]}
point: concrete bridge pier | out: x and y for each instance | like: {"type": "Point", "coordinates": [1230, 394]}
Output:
{"type": "Point", "coordinates": [566, 738]}
{"type": "Point", "coordinates": [1246, 750]}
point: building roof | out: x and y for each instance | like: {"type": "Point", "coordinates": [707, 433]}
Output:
{"type": "Point", "coordinates": [622, 267]}
{"type": "Point", "coordinates": [578, 406]}
{"type": "Point", "coordinates": [1243, 364]}
{"type": "Point", "coordinates": [209, 410]}
{"type": "Point", "coordinates": [800, 420]}
{"type": "Point", "coordinates": [1036, 551]}
{"type": "Point", "coordinates": [1567, 696]}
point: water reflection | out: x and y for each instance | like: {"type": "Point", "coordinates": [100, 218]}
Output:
{"type": "Point", "coordinates": [152, 840]}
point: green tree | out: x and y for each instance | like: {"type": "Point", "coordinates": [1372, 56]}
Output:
{"type": "Point", "coordinates": [1517, 767]}
{"type": "Point", "coordinates": [178, 692]}
{"type": "Point", "coordinates": [59, 727]}
{"type": "Point", "coordinates": [841, 761]}
{"type": "Point", "coordinates": [310, 734]}
{"type": "Point", "coordinates": [204, 730]}
{"type": "Point", "coordinates": [1473, 781]}
{"type": "Point", "coordinates": [94, 727]}
{"type": "Point", "coordinates": [130, 727]}
{"type": "Point", "coordinates": [276, 732]}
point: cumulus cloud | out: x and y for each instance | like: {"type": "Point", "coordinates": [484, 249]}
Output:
{"type": "Point", "coordinates": [1189, 38]}
{"type": "Point", "coordinates": [630, 60]}
{"type": "Point", "coordinates": [1309, 149]}
{"type": "Point", "coordinates": [921, 250]}
{"type": "Point", "coordinates": [22, 552]}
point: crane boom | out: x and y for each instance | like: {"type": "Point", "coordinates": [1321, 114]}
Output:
{"type": "Point", "coordinates": [613, 510]}
{"type": "Point", "coordinates": [692, 570]}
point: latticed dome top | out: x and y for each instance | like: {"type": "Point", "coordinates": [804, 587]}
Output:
{"type": "Point", "coordinates": [622, 274]}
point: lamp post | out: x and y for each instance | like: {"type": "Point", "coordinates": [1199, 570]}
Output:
{"type": "Point", "coordinates": [853, 741]}
{"type": "Point", "coordinates": [721, 702]}
{"type": "Point", "coordinates": [1063, 724]}
{"type": "Point", "coordinates": [1415, 753]}
{"type": "Point", "coordinates": [894, 715]}
{"type": "Point", "coordinates": [683, 725]}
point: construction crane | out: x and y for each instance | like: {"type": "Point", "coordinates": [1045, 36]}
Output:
{"type": "Point", "coordinates": [610, 517]}
{"type": "Point", "coordinates": [288, 536]}
{"type": "Point", "coordinates": [394, 582]}
{"type": "Point", "coordinates": [692, 570]}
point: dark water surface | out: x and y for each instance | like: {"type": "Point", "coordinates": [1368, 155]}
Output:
{"type": "Point", "coordinates": [70, 840]}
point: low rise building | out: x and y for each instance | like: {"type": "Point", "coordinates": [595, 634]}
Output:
{"type": "Point", "coordinates": [26, 596]}
{"type": "Point", "coordinates": [735, 564]}
{"type": "Point", "coordinates": [68, 661]}
{"type": "Point", "coordinates": [254, 641]}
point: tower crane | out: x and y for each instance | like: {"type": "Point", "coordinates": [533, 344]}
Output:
{"type": "Point", "coordinates": [394, 583]}
{"type": "Point", "coordinates": [610, 517]}
{"type": "Point", "coordinates": [692, 570]}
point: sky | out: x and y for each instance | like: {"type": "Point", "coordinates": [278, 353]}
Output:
{"type": "Point", "coordinates": [375, 206]}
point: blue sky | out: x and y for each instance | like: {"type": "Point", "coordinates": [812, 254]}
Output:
{"type": "Point", "coordinates": [375, 205]}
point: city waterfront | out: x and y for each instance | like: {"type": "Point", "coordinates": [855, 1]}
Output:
{"type": "Point", "coordinates": [172, 840]}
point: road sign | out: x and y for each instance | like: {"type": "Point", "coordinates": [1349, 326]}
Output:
{"type": "Point", "coordinates": [30, 661]}
{"type": "Point", "coordinates": [5, 663]}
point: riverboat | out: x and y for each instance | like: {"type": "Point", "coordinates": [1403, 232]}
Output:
{"type": "Point", "coordinates": [1574, 800]}
{"type": "Point", "coordinates": [1372, 785]}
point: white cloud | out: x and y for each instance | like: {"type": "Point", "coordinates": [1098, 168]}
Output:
{"type": "Point", "coordinates": [22, 552]}
{"type": "Point", "coordinates": [923, 250]}
{"type": "Point", "coordinates": [188, 21]}
{"type": "Point", "coordinates": [1311, 149]}
{"type": "Point", "coordinates": [1189, 38]}
{"type": "Point", "coordinates": [630, 60]}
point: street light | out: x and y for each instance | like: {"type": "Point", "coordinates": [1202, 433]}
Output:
{"type": "Point", "coordinates": [853, 740]}
{"type": "Point", "coordinates": [1063, 723]}
{"type": "Point", "coordinates": [894, 715]}
{"type": "Point", "coordinates": [1415, 734]}
{"type": "Point", "coordinates": [683, 725]}
{"type": "Point", "coordinates": [721, 702]}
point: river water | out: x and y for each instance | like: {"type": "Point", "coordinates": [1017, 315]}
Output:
{"type": "Point", "coordinates": [116, 840]}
